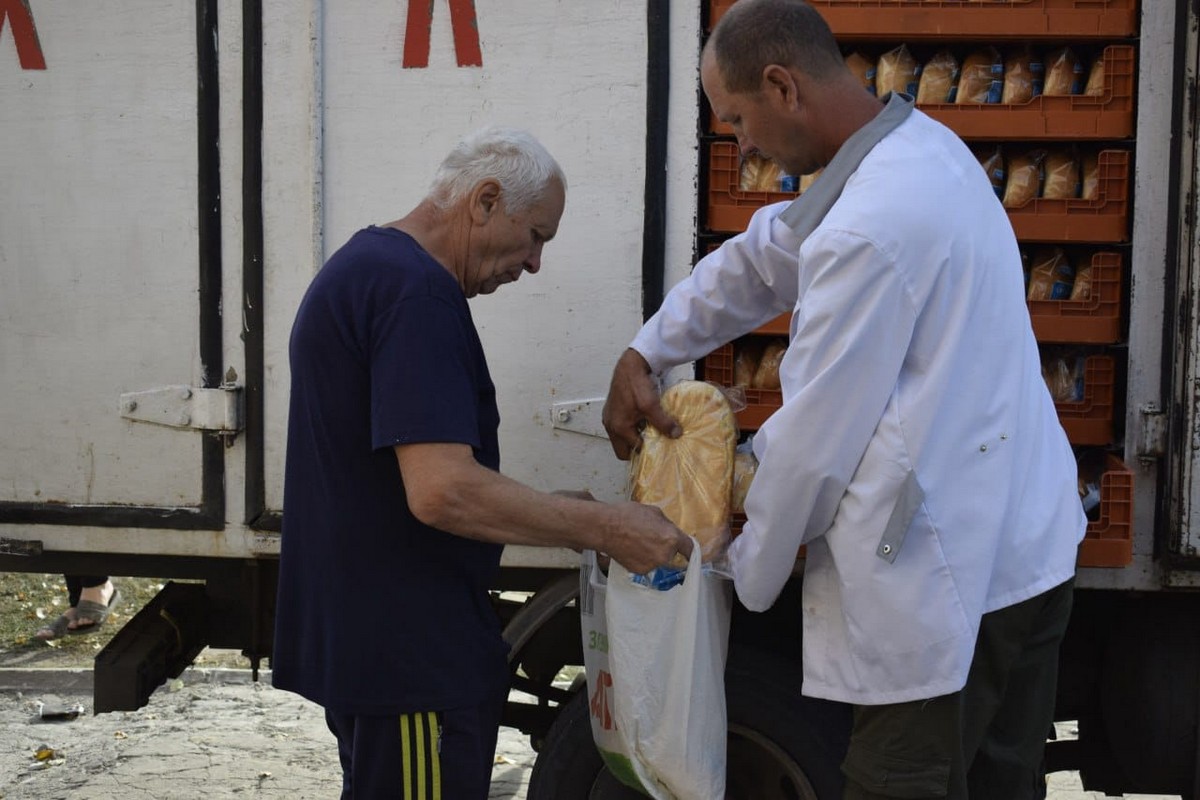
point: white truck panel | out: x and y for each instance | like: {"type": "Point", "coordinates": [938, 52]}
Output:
{"type": "Point", "coordinates": [553, 336]}
{"type": "Point", "coordinates": [98, 259]}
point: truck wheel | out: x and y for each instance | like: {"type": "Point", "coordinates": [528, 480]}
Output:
{"type": "Point", "coordinates": [569, 766]}
{"type": "Point", "coordinates": [781, 745]}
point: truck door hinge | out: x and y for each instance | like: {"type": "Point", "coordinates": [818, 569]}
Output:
{"type": "Point", "coordinates": [580, 416]}
{"type": "Point", "coordinates": [220, 409]}
{"type": "Point", "coordinates": [1152, 441]}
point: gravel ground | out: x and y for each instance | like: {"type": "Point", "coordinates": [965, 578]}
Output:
{"type": "Point", "coordinates": [210, 734]}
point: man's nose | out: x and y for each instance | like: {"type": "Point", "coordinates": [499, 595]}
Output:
{"type": "Point", "coordinates": [745, 146]}
{"type": "Point", "coordinates": [534, 262]}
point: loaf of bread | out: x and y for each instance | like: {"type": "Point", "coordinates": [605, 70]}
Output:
{"type": "Point", "coordinates": [1023, 181]}
{"type": "Point", "coordinates": [1090, 182]}
{"type": "Point", "coordinates": [897, 71]}
{"type": "Point", "coordinates": [1082, 290]}
{"type": "Point", "coordinates": [759, 174]}
{"type": "Point", "coordinates": [1050, 276]}
{"type": "Point", "coordinates": [690, 478]}
{"type": "Point", "coordinates": [1095, 81]}
{"type": "Point", "coordinates": [767, 374]}
{"type": "Point", "coordinates": [1061, 171]}
{"type": "Point", "coordinates": [744, 467]}
{"type": "Point", "coordinates": [1023, 76]}
{"type": "Point", "coordinates": [939, 79]}
{"type": "Point", "coordinates": [1064, 73]}
{"type": "Point", "coordinates": [746, 355]}
{"type": "Point", "coordinates": [982, 77]}
{"type": "Point", "coordinates": [991, 158]}
{"type": "Point", "coordinates": [863, 69]}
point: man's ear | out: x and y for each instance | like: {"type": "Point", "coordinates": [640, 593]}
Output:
{"type": "Point", "coordinates": [485, 200]}
{"type": "Point", "coordinates": [780, 85]}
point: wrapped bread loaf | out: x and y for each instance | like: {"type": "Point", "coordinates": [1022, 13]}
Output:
{"type": "Point", "coordinates": [1061, 171]}
{"type": "Point", "coordinates": [1023, 76]}
{"type": "Point", "coordinates": [1095, 81]}
{"type": "Point", "coordinates": [1051, 275]}
{"type": "Point", "coordinates": [759, 174]}
{"type": "Point", "coordinates": [746, 355]}
{"type": "Point", "coordinates": [1064, 73]}
{"type": "Point", "coordinates": [1090, 181]}
{"type": "Point", "coordinates": [1024, 178]}
{"type": "Point", "coordinates": [1082, 290]}
{"type": "Point", "coordinates": [939, 79]}
{"type": "Point", "coordinates": [744, 467]}
{"type": "Point", "coordinates": [897, 71]}
{"type": "Point", "coordinates": [767, 374]}
{"type": "Point", "coordinates": [981, 79]}
{"type": "Point", "coordinates": [690, 478]}
{"type": "Point", "coordinates": [992, 160]}
{"type": "Point", "coordinates": [863, 69]}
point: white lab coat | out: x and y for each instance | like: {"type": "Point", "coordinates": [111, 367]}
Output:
{"type": "Point", "coordinates": [917, 452]}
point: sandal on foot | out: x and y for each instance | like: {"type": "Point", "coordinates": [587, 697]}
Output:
{"type": "Point", "coordinates": [57, 629]}
{"type": "Point", "coordinates": [97, 612]}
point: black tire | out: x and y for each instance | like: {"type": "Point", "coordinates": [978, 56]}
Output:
{"type": "Point", "coordinates": [569, 766]}
{"type": "Point", "coordinates": [781, 745]}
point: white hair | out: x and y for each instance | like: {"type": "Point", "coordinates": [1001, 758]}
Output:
{"type": "Point", "coordinates": [519, 162]}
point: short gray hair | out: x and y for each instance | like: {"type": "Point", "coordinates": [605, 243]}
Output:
{"type": "Point", "coordinates": [512, 157]}
{"type": "Point", "coordinates": [756, 33]}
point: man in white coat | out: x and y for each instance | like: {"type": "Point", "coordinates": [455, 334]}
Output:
{"type": "Point", "coordinates": [917, 452]}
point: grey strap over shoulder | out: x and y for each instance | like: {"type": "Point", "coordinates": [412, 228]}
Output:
{"type": "Point", "coordinates": [806, 211]}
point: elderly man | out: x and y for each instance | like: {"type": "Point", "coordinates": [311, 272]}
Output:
{"type": "Point", "coordinates": [917, 452]}
{"type": "Point", "coordinates": [395, 512]}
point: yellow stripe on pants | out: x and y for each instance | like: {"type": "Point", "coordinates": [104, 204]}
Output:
{"type": "Point", "coordinates": [435, 757]}
{"type": "Point", "coordinates": [425, 727]}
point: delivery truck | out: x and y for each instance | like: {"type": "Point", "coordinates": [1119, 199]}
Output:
{"type": "Point", "coordinates": [172, 175]}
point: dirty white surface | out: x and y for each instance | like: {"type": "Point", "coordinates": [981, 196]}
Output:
{"type": "Point", "coordinates": [213, 734]}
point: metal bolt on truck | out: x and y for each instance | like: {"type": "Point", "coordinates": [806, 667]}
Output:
{"type": "Point", "coordinates": [173, 173]}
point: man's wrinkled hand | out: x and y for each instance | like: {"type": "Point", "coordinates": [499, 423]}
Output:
{"type": "Point", "coordinates": [633, 400]}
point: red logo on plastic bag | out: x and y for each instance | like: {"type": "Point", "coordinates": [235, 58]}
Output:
{"type": "Point", "coordinates": [600, 704]}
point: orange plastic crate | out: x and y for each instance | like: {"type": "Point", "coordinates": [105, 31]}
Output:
{"type": "Point", "coordinates": [1109, 540]}
{"type": "Point", "coordinates": [1095, 320]}
{"type": "Point", "coordinates": [1090, 421]}
{"type": "Point", "coordinates": [1106, 116]}
{"type": "Point", "coordinates": [1105, 219]}
{"type": "Point", "coordinates": [997, 20]}
{"type": "Point", "coordinates": [717, 367]}
{"type": "Point", "coordinates": [729, 207]}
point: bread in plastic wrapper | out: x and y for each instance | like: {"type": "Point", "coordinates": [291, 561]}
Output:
{"type": "Point", "coordinates": [1023, 181]}
{"type": "Point", "coordinates": [767, 374]}
{"type": "Point", "coordinates": [981, 79]}
{"type": "Point", "coordinates": [897, 71]}
{"type": "Point", "coordinates": [1051, 276]}
{"type": "Point", "coordinates": [863, 69]}
{"type": "Point", "coordinates": [991, 158]}
{"type": "Point", "coordinates": [1082, 289]}
{"type": "Point", "coordinates": [744, 466]}
{"type": "Point", "coordinates": [747, 353]}
{"type": "Point", "coordinates": [1090, 180]}
{"type": "Point", "coordinates": [759, 174]}
{"type": "Point", "coordinates": [1061, 175]}
{"type": "Point", "coordinates": [1095, 81]}
{"type": "Point", "coordinates": [690, 478]}
{"type": "Point", "coordinates": [1064, 73]}
{"type": "Point", "coordinates": [1024, 76]}
{"type": "Point", "coordinates": [939, 79]}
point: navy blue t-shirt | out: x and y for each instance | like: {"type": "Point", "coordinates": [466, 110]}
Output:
{"type": "Point", "coordinates": [378, 613]}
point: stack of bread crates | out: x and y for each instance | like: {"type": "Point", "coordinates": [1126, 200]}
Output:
{"type": "Point", "coordinates": [1043, 93]}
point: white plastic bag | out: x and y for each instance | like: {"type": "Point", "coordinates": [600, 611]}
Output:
{"type": "Point", "coordinates": [655, 664]}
